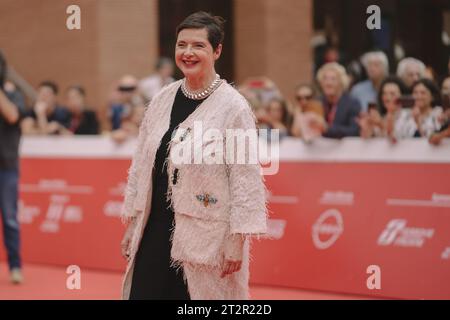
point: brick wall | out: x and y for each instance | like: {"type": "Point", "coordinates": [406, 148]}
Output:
{"type": "Point", "coordinates": [272, 38]}
{"type": "Point", "coordinates": [116, 37]}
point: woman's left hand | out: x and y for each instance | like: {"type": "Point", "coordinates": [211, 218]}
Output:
{"type": "Point", "coordinates": [230, 266]}
{"type": "Point", "coordinates": [435, 139]}
{"type": "Point", "coordinates": [233, 254]}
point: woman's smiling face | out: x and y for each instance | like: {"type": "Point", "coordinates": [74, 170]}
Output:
{"type": "Point", "coordinates": [390, 93]}
{"type": "Point", "coordinates": [194, 55]}
{"type": "Point", "coordinates": [422, 96]}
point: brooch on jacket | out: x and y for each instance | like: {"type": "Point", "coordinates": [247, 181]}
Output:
{"type": "Point", "coordinates": [206, 199]}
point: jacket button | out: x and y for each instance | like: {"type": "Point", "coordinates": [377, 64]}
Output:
{"type": "Point", "coordinates": [175, 176]}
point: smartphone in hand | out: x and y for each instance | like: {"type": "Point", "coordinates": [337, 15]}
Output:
{"type": "Point", "coordinates": [405, 101]}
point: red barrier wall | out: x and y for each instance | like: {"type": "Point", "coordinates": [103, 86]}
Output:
{"type": "Point", "coordinates": [333, 215]}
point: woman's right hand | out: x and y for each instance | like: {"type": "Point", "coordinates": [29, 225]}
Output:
{"type": "Point", "coordinates": [435, 139]}
{"type": "Point", "coordinates": [126, 240]}
{"type": "Point", "coordinates": [40, 108]}
{"type": "Point", "coordinates": [365, 128]}
{"type": "Point", "coordinates": [375, 118]}
{"type": "Point", "coordinates": [233, 253]}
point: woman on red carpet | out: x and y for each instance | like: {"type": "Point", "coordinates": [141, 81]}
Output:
{"type": "Point", "coordinates": [189, 224]}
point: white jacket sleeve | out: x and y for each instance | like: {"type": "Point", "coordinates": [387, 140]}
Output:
{"type": "Point", "coordinates": [248, 214]}
{"type": "Point", "coordinates": [130, 192]}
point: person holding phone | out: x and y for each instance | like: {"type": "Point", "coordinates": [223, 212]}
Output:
{"type": "Point", "coordinates": [382, 119]}
{"type": "Point", "coordinates": [437, 137]}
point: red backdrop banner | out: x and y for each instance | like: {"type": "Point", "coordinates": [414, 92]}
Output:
{"type": "Point", "coordinates": [338, 222]}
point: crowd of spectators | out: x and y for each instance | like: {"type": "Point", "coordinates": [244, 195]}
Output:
{"type": "Point", "coordinates": [338, 103]}
{"type": "Point", "coordinates": [411, 103]}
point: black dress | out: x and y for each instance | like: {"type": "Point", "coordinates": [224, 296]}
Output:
{"type": "Point", "coordinates": [153, 277]}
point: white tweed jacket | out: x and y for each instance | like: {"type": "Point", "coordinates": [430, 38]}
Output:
{"type": "Point", "coordinates": [215, 205]}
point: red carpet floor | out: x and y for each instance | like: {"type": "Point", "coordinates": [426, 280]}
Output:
{"type": "Point", "coordinates": [48, 282]}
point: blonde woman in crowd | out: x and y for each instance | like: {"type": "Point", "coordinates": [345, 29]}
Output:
{"type": "Point", "coordinates": [341, 110]}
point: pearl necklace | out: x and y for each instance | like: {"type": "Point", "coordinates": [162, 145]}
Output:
{"type": "Point", "coordinates": [205, 93]}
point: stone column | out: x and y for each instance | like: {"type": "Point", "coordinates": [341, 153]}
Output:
{"type": "Point", "coordinates": [117, 37]}
{"type": "Point", "coordinates": [272, 38]}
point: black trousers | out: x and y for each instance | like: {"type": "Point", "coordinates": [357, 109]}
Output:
{"type": "Point", "coordinates": [153, 277]}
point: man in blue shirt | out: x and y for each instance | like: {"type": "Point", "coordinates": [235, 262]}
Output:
{"type": "Point", "coordinates": [377, 68]}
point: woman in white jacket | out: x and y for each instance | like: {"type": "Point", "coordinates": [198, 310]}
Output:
{"type": "Point", "coordinates": [190, 218]}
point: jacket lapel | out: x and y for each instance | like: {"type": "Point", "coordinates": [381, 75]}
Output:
{"type": "Point", "coordinates": [158, 125]}
{"type": "Point", "coordinates": [340, 109]}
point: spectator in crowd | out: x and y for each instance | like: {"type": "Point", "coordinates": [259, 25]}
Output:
{"type": "Point", "coordinates": [437, 137]}
{"type": "Point", "coordinates": [125, 100]}
{"type": "Point", "coordinates": [81, 120]}
{"type": "Point", "coordinates": [11, 110]}
{"type": "Point", "coordinates": [130, 125]}
{"type": "Point", "coordinates": [377, 67]}
{"type": "Point", "coordinates": [391, 108]}
{"type": "Point", "coordinates": [409, 70]}
{"type": "Point", "coordinates": [385, 120]}
{"type": "Point", "coordinates": [262, 89]}
{"type": "Point", "coordinates": [304, 94]}
{"type": "Point", "coordinates": [445, 88]}
{"type": "Point", "coordinates": [259, 92]}
{"type": "Point", "coordinates": [341, 110]}
{"type": "Point", "coordinates": [391, 90]}
{"type": "Point", "coordinates": [326, 44]}
{"type": "Point", "coordinates": [275, 116]}
{"type": "Point", "coordinates": [426, 116]}
{"type": "Point", "coordinates": [332, 54]}
{"type": "Point", "coordinates": [15, 95]}
{"type": "Point", "coordinates": [47, 117]}
{"type": "Point", "coordinates": [252, 98]}
{"type": "Point", "coordinates": [308, 114]}
{"type": "Point", "coordinates": [430, 74]}
{"type": "Point", "coordinates": [355, 72]}
{"type": "Point", "coordinates": [151, 85]}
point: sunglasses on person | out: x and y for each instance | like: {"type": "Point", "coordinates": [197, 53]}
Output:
{"type": "Point", "coordinates": [127, 88]}
{"type": "Point", "coordinates": [303, 97]}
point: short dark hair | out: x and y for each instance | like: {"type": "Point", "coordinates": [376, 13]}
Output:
{"type": "Point", "coordinates": [432, 87]}
{"type": "Point", "coordinates": [50, 84]}
{"type": "Point", "coordinates": [77, 88]}
{"type": "Point", "coordinates": [214, 25]}
{"type": "Point", "coordinates": [389, 80]}
{"type": "Point", "coordinates": [285, 118]}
